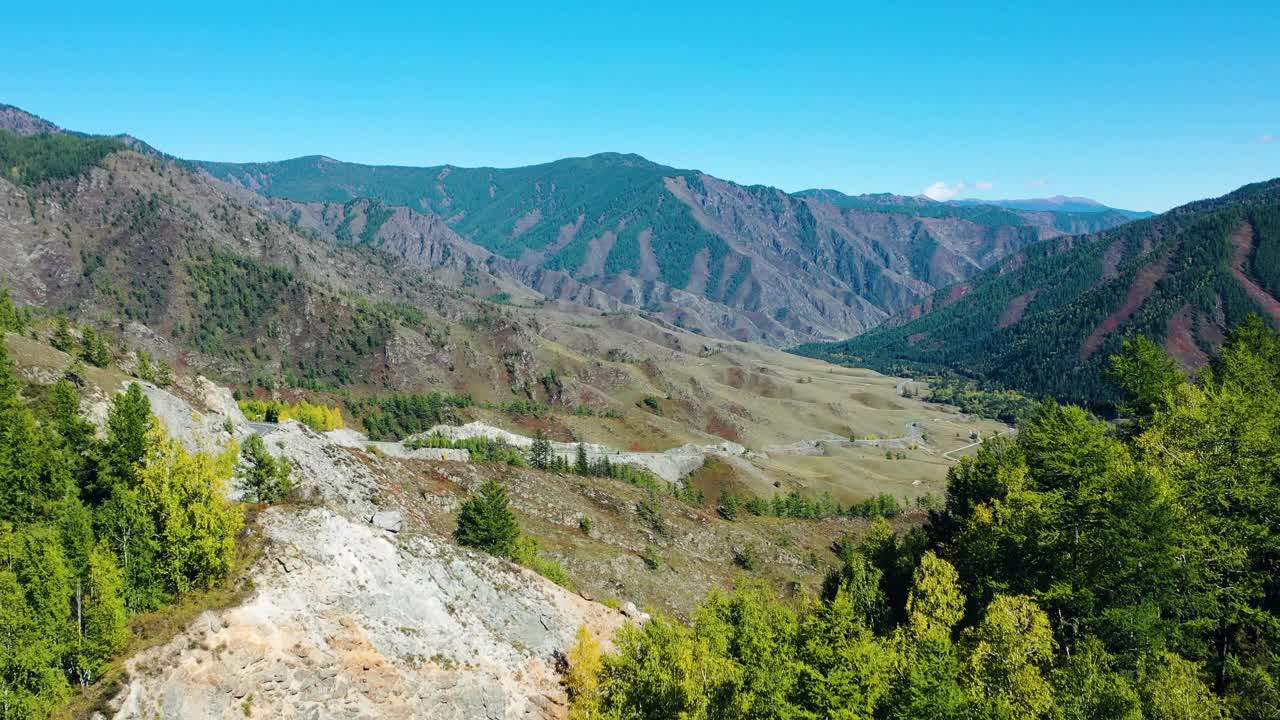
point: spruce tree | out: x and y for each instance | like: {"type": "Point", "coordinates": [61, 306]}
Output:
{"type": "Point", "coordinates": [540, 454]}
{"type": "Point", "coordinates": [486, 522]}
{"type": "Point", "coordinates": [261, 477]}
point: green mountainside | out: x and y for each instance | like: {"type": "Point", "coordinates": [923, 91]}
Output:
{"type": "Point", "coordinates": [749, 262]}
{"type": "Point", "coordinates": [1046, 319]}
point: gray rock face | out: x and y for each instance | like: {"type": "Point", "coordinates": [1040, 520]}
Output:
{"type": "Point", "coordinates": [353, 615]}
{"type": "Point", "coordinates": [348, 622]}
{"type": "Point", "coordinates": [388, 520]}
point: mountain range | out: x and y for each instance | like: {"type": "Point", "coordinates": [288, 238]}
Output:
{"type": "Point", "coordinates": [746, 262]}
{"type": "Point", "coordinates": [615, 230]}
{"type": "Point", "coordinates": [1046, 318]}
{"type": "Point", "coordinates": [1057, 203]}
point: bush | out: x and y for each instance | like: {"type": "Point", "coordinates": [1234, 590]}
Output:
{"type": "Point", "coordinates": [529, 554]}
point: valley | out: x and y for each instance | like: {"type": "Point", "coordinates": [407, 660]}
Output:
{"type": "Point", "coordinates": [311, 438]}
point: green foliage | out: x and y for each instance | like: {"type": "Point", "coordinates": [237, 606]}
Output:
{"type": "Point", "coordinates": [92, 530]}
{"type": "Point", "coordinates": [392, 417]}
{"type": "Point", "coordinates": [1072, 572]}
{"type": "Point", "coordinates": [321, 418]}
{"type": "Point", "coordinates": [93, 348]}
{"type": "Point", "coordinates": [486, 522]}
{"type": "Point", "coordinates": [262, 477]}
{"type": "Point", "coordinates": [12, 319]}
{"type": "Point", "coordinates": [983, 399]}
{"type": "Point", "coordinates": [482, 449]}
{"type": "Point", "coordinates": [540, 454]}
{"type": "Point", "coordinates": [31, 160]}
{"type": "Point", "coordinates": [62, 338]}
{"type": "Point", "coordinates": [528, 552]}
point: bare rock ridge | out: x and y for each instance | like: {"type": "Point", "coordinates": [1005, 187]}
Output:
{"type": "Point", "coordinates": [356, 613]}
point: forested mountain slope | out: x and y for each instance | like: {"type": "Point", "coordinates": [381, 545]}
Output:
{"type": "Point", "coordinates": [1047, 318]}
{"type": "Point", "coordinates": [753, 263]}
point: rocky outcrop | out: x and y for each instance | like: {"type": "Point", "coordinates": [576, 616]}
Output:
{"type": "Point", "coordinates": [348, 621]}
{"type": "Point", "coordinates": [357, 612]}
{"type": "Point", "coordinates": [672, 465]}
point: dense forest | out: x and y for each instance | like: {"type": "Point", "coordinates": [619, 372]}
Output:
{"type": "Point", "coordinates": [34, 159]}
{"type": "Point", "coordinates": [94, 531]}
{"type": "Point", "coordinates": [1036, 322]}
{"type": "Point", "coordinates": [1084, 570]}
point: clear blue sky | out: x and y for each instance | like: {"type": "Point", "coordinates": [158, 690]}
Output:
{"type": "Point", "coordinates": [1140, 107]}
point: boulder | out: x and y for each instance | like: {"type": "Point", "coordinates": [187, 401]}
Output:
{"type": "Point", "coordinates": [389, 520]}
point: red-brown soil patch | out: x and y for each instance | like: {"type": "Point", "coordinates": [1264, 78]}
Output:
{"type": "Point", "coordinates": [1139, 291]}
{"type": "Point", "coordinates": [916, 337]}
{"type": "Point", "coordinates": [1180, 341]}
{"type": "Point", "coordinates": [1242, 246]}
{"type": "Point", "coordinates": [956, 292]}
{"type": "Point", "coordinates": [718, 426]}
{"type": "Point", "coordinates": [1016, 307]}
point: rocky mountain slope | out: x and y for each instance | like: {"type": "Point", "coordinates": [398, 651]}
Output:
{"type": "Point", "coordinates": [355, 599]}
{"type": "Point", "coordinates": [752, 263]}
{"type": "Point", "coordinates": [1046, 319]}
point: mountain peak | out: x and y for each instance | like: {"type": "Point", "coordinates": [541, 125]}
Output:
{"type": "Point", "coordinates": [20, 122]}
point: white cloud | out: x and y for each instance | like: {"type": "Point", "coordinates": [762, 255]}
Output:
{"type": "Point", "coordinates": [984, 185]}
{"type": "Point", "coordinates": [942, 192]}
{"type": "Point", "coordinates": [1266, 139]}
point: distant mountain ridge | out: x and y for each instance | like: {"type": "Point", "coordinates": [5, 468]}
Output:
{"type": "Point", "coordinates": [1057, 203]}
{"type": "Point", "coordinates": [1046, 318]}
{"type": "Point", "coordinates": [617, 230]}
{"type": "Point", "coordinates": [749, 262]}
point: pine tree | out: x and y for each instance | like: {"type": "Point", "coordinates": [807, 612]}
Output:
{"type": "Point", "coordinates": [93, 348]}
{"type": "Point", "coordinates": [163, 373]}
{"type": "Point", "coordinates": [580, 464]}
{"type": "Point", "coordinates": [62, 338]}
{"type": "Point", "coordinates": [261, 477]}
{"type": "Point", "coordinates": [540, 453]}
{"type": "Point", "coordinates": [486, 521]}
{"type": "Point", "coordinates": [145, 371]}
{"type": "Point", "coordinates": [128, 421]}
{"type": "Point", "coordinates": [11, 318]}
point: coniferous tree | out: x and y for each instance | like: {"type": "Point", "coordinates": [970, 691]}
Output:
{"type": "Point", "coordinates": [145, 370]}
{"type": "Point", "coordinates": [163, 373]}
{"type": "Point", "coordinates": [93, 348]}
{"type": "Point", "coordinates": [128, 422]}
{"type": "Point", "coordinates": [11, 318]}
{"type": "Point", "coordinates": [580, 464]}
{"type": "Point", "coordinates": [540, 453]}
{"type": "Point", "coordinates": [260, 476]}
{"type": "Point", "coordinates": [101, 618]}
{"type": "Point", "coordinates": [486, 521]}
{"type": "Point", "coordinates": [62, 338]}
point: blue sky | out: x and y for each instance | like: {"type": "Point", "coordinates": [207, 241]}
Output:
{"type": "Point", "coordinates": [1143, 107]}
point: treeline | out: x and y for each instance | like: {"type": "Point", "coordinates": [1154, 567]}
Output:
{"type": "Point", "coordinates": [33, 159]}
{"type": "Point", "coordinates": [92, 531]}
{"type": "Point", "coordinates": [392, 417]}
{"type": "Point", "coordinates": [1082, 570]}
{"type": "Point", "coordinates": [797, 505]}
